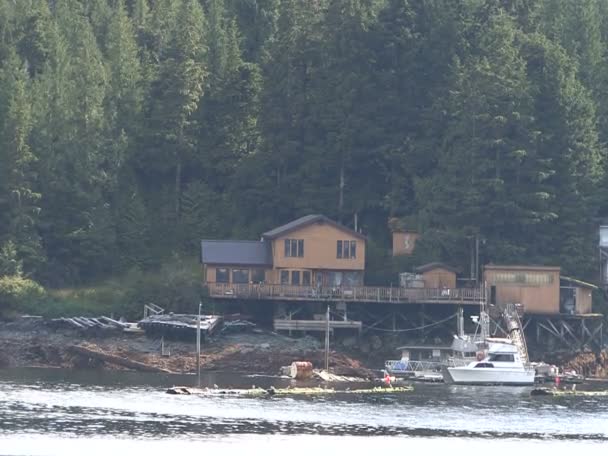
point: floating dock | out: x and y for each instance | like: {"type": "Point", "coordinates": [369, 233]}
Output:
{"type": "Point", "coordinates": [285, 392]}
{"type": "Point", "coordinates": [556, 392]}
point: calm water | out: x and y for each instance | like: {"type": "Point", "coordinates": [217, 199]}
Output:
{"type": "Point", "coordinates": [61, 412]}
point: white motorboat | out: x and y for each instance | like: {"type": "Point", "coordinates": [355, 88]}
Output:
{"type": "Point", "coordinates": [501, 366]}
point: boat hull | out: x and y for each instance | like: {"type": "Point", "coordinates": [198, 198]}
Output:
{"type": "Point", "coordinates": [490, 376]}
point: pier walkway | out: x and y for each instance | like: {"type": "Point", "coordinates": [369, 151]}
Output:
{"type": "Point", "coordinates": [395, 295]}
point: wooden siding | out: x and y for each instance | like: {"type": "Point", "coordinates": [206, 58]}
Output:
{"type": "Point", "coordinates": [351, 294]}
{"type": "Point", "coordinates": [536, 298]}
{"type": "Point", "coordinates": [404, 242]}
{"type": "Point", "coordinates": [320, 240]}
{"type": "Point", "coordinates": [439, 278]}
{"type": "Point", "coordinates": [583, 300]}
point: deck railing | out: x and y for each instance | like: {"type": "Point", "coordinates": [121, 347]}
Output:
{"type": "Point", "coordinates": [346, 293]}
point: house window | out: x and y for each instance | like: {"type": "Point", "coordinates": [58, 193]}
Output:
{"type": "Point", "coordinates": [295, 277]}
{"type": "Point", "coordinates": [346, 249]}
{"type": "Point", "coordinates": [257, 275]}
{"type": "Point", "coordinates": [240, 275]}
{"type": "Point", "coordinates": [284, 277]}
{"type": "Point", "coordinates": [222, 275]}
{"type": "Point", "coordinates": [306, 278]}
{"type": "Point", "coordinates": [294, 248]}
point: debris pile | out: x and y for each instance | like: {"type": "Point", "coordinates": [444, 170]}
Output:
{"type": "Point", "coordinates": [589, 364]}
{"type": "Point", "coordinates": [87, 323]}
{"type": "Point", "coordinates": [180, 326]}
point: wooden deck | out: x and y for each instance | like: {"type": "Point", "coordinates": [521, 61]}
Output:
{"type": "Point", "coordinates": [458, 296]}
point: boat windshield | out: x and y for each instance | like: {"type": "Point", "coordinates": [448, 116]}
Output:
{"type": "Point", "coordinates": [501, 358]}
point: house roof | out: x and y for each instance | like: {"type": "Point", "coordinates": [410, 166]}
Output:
{"type": "Point", "coordinates": [305, 221]}
{"type": "Point", "coordinates": [435, 265]}
{"type": "Point", "coordinates": [577, 282]}
{"type": "Point", "coordinates": [521, 267]}
{"type": "Point", "coordinates": [241, 253]}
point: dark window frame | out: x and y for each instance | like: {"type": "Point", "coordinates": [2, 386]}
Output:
{"type": "Point", "coordinates": [217, 275]}
{"type": "Point", "coordinates": [258, 275]}
{"type": "Point", "coordinates": [346, 249]}
{"type": "Point", "coordinates": [237, 271]}
{"type": "Point", "coordinates": [282, 275]}
{"type": "Point", "coordinates": [294, 248]}
{"type": "Point", "coordinates": [306, 282]}
{"type": "Point", "coordinates": [295, 277]}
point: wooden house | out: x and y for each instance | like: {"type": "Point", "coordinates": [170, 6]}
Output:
{"type": "Point", "coordinates": [312, 251]}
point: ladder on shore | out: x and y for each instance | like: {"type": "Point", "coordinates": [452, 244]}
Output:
{"type": "Point", "coordinates": [516, 332]}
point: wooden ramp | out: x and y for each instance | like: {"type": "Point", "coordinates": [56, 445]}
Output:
{"type": "Point", "coordinates": [315, 325]}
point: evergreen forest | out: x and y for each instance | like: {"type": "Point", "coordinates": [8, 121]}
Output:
{"type": "Point", "coordinates": [132, 129]}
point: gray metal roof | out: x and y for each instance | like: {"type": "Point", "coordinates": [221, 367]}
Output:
{"type": "Point", "coordinates": [577, 282]}
{"type": "Point", "coordinates": [241, 253]}
{"type": "Point", "coordinates": [305, 221]}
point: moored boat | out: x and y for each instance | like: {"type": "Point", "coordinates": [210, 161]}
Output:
{"type": "Point", "coordinates": [501, 366]}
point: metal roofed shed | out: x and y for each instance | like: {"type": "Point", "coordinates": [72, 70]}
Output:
{"type": "Point", "coordinates": [241, 253]}
{"type": "Point", "coordinates": [438, 275]}
{"type": "Point", "coordinates": [575, 296]}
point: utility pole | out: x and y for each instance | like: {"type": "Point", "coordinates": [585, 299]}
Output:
{"type": "Point", "coordinates": [327, 341]}
{"type": "Point", "coordinates": [477, 260]}
{"type": "Point", "coordinates": [198, 346]}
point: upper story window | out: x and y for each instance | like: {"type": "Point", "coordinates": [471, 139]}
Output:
{"type": "Point", "coordinates": [346, 249]}
{"type": "Point", "coordinates": [294, 248]}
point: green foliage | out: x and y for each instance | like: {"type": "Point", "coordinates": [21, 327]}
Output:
{"type": "Point", "coordinates": [129, 130]}
{"type": "Point", "coordinates": [18, 294]}
{"type": "Point", "coordinates": [10, 265]}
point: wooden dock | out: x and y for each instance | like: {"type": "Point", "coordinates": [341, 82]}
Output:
{"type": "Point", "coordinates": [395, 295]}
{"type": "Point", "coordinates": [315, 325]}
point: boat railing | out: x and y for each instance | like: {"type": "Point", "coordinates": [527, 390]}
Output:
{"type": "Point", "coordinates": [400, 366]}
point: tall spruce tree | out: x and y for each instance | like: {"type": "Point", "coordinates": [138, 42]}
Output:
{"type": "Point", "coordinates": [19, 197]}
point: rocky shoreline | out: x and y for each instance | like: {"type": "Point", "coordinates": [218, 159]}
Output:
{"type": "Point", "coordinates": [33, 344]}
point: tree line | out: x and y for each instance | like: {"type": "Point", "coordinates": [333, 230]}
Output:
{"type": "Point", "coordinates": [131, 129]}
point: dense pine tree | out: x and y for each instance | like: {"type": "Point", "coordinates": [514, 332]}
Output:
{"type": "Point", "coordinates": [129, 129]}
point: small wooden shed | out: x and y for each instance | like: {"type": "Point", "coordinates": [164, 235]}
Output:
{"type": "Point", "coordinates": [536, 288]}
{"type": "Point", "coordinates": [575, 296]}
{"type": "Point", "coordinates": [404, 242]}
{"type": "Point", "coordinates": [438, 275]}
